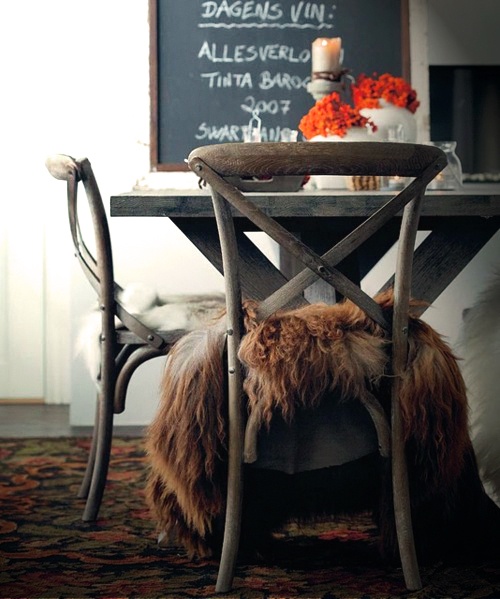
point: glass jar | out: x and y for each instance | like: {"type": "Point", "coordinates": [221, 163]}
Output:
{"type": "Point", "coordinates": [451, 176]}
{"type": "Point", "coordinates": [395, 133]}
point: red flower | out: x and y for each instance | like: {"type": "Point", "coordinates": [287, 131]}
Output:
{"type": "Point", "coordinates": [331, 116]}
{"type": "Point", "coordinates": [367, 91]}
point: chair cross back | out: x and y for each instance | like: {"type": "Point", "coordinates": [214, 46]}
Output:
{"type": "Point", "coordinates": [214, 164]}
{"type": "Point", "coordinates": [219, 166]}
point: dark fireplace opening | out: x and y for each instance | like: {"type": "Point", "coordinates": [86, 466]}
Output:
{"type": "Point", "coordinates": [465, 107]}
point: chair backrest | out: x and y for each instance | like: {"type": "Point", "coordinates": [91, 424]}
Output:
{"type": "Point", "coordinates": [99, 268]}
{"type": "Point", "coordinates": [216, 164]}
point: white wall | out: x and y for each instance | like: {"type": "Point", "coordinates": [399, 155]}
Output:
{"type": "Point", "coordinates": [462, 32]}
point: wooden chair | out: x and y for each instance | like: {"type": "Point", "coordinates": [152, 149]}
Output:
{"type": "Point", "coordinates": [220, 166]}
{"type": "Point", "coordinates": [125, 341]}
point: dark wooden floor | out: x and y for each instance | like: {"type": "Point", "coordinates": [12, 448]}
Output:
{"type": "Point", "coordinates": [40, 420]}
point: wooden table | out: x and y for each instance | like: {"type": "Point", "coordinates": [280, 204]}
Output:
{"type": "Point", "coordinates": [460, 224]}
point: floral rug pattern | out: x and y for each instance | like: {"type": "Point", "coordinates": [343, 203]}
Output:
{"type": "Point", "coordinates": [46, 551]}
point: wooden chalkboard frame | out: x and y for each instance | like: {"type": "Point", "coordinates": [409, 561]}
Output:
{"type": "Point", "coordinates": [155, 163]}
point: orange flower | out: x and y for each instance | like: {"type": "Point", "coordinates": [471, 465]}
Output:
{"type": "Point", "coordinates": [367, 91]}
{"type": "Point", "coordinates": [331, 116]}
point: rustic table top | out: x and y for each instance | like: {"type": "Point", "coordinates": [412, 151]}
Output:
{"type": "Point", "coordinates": [472, 200]}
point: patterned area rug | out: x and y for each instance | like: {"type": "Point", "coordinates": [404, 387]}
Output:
{"type": "Point", "coordinates": [47, 551]}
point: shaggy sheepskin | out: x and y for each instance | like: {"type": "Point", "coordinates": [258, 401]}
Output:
{"type": "Point", "coordinates": [295, 361]}
{"type": "Point", "coordinates": [156, 311]}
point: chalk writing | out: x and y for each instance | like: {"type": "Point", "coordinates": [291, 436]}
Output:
{"type": "Point", "coordinates": [265, 80]}
{"type": "Point", "coordinates": [234, 133]}
{"type": "Point", "coordinates": [241, 10]}
{"type": "Point", "coordinates": [309, 10]}
{"type": "Point", "coordinates": [220, 80]}
{"type": "Point", "coordinates": [250, 14]}
{"type": "Point", "coordinates": [251, 104]}
{"type": "Point", "coordinates": [219, 133]}
{"type": "Point", "coordinates": [226, 53]}
{"type": "Point", "coordinates": [267, 26]}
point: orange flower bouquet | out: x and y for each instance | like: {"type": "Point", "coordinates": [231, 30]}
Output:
{"type": "Point", "coordinates": [367, 91]}
{"type": "Point", "coordinates": [331, 116]}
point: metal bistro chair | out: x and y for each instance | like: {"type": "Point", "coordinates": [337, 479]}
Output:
{"type": "Point", "coordinates": [220, 165]}
{"type": "Point", "coordinates": [124, 345]}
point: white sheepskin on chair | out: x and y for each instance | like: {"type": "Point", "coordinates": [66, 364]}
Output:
{"type": "Point", "coordinates": [481, 369]}
{"type": "Point", "coordinates": [157, 311]}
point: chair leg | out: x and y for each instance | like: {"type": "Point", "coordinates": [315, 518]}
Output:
{"type": "Point", "coordinates": [401, 491]}
{"type": "Point", "coordinates": [103, 450]}
{"type": "Point", "coordinates": [83, 492]}
{"type": "Point", "coordinates": [401, 500]}
{"type": "Point", "coordinates": [232, 526]}
{"type": "Point", "coordinates": [110, 401]}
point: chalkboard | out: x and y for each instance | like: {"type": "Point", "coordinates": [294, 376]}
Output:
{"type": "Point", "coordinates": [214, 61]}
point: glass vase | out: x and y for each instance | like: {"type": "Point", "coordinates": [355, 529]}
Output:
{"type": "Point", "coordinates": [451, 176]}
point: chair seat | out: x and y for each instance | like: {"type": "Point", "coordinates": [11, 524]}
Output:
{"type": "Point", "coordinates": [331, 434]}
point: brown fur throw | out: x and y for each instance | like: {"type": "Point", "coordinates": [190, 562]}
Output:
{"type": "Point", "coordinates": [293, 360]}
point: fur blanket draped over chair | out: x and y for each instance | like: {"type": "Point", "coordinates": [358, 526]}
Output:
{"type": "Point", "coordinates": [294, 360]}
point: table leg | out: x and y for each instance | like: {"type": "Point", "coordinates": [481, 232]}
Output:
{"type": "Point", "coordinates": [444, 253]}
{"type": "Point", "coordinates": [259, 276]}
{"type": "Point", "coordinates": [355, 266]}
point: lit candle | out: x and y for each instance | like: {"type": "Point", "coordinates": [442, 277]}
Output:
{"type": "Point", "coordinates": [326, 55]}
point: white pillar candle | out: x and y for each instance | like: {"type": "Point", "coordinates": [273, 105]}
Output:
{"type": "Point", "coordinates": [326, 54]}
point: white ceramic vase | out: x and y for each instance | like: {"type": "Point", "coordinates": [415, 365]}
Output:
{"type": "Point", "coordinates": [393, 122]}
{"type": "Point", "coordinates": [334, 181]}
